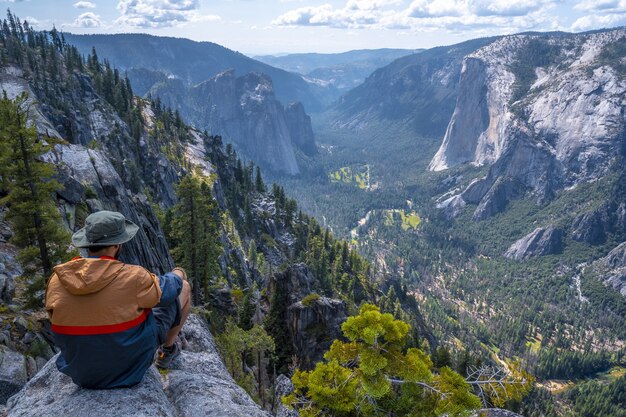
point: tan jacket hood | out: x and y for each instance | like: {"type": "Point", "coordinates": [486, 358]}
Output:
{"type": "Point", "coordinates": [87, 275]}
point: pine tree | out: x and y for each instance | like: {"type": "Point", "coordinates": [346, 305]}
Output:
{"type": "Point", "coordinates": [374, 374]}
{"type": "Point", "coordinates": [30, 189]}
{"type": "Point", "coordinates": [195, 234]}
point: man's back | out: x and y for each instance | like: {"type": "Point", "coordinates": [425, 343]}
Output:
{"type": "Point", "coordinates": [100, 314]}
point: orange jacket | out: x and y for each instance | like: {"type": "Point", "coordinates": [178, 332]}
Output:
{"type": "Point", "coordinates": [100, 309]}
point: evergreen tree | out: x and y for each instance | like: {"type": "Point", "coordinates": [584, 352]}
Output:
{"type": "Point", "coordinates": [195, 234]}
{"type": "Point", "coordinates": [372, 374]}
{"type": "Point", "coordinates": [30, 189]}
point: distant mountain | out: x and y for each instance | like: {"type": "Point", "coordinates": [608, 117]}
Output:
{"type": "Point", "coordinates": [252, 105]}
{"type": "Point", "coordinates": [244, 111]}
{"type": "Point", "coordinates": [190, 61]}
{"type": "Point", "coordinates": [339, 72]}
{"type": "Point", "coordinates": [419, 90]}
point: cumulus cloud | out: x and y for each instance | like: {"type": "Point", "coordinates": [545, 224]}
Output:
{"type": "Point", "coordinates": [356, 14]}
{"type": "Point", "coordinates": [160, 13]}
{"type": "Point", "coordinates": [595, 21]}
{"type": "Point", "coordinates": [599, 6]}
{"type": "Point", "coordinates": [84, 5]}
{"type": "Point", "coordinates": [599, 14]}
{"type": "Point", "coordinates": [425, 15]}
{"type": "Point", "coordinates": [87, 20]}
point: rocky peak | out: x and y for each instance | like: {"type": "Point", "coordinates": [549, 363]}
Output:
{"type": "Point", "coordinates": [560, 130]}
{"type": "Point", "coordinates": [299, 125]}
{"type": "Point", "coordinates": [244, 111]}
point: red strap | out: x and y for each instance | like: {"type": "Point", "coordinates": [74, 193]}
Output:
{"type": "Point", "coordinates": [104, 329]}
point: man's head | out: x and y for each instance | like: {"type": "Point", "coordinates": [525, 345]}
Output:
{"type": "Point", "coordinates": [113, 251]}
{"type": "Point", "coordinates": [104, 233]}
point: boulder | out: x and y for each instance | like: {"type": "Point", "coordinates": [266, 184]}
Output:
{"type": "Point", "coordinates": [284, 387]}
{"type": "Point", "coordinates": [197, 385]}
{"type": "Point", "coordinates": [452, 206]}
{"type": "Point", "coordinates": [540, 242]}
{"type": "Point", "coordinates": [13, 373]}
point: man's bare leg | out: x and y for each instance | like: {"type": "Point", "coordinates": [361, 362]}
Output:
{"type": "Point", "coordinates": [185, 304]}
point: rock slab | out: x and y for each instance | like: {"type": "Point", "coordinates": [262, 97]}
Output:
{"type": "Point", "coordinates": [198, 385]}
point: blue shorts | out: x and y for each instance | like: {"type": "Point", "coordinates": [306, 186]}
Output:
{"type": "Point", "coordinates": [166, 318]}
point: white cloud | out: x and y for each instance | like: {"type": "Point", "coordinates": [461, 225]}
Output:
{"type": "Point", "coordinates": [160, 13]}
{"type": "Point", "coordinates": [356, 14]}
{"type": "Point", "coordinates": [84, 5]}
{"type": "Point", "coordinates": [600, 6]}
{"type": "Point", "coordinates": [87, 20]}
{"type": "Point", "coordinates": [426, 15]}
{"type": "Point", "coordinates": [595, 21]}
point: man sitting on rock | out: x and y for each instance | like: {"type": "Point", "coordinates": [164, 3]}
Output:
{"type": "Point", "coordinates": [108, 317]}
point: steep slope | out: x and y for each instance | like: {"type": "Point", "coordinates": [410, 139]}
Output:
{"type": "Point", "coordinates": [418, 90]}
{"type": "Point", "coordinates": [544, 112]}
{"type": "Point", "coordinates": [192, 62]}
{"type": "Point", "coordinates": [244, 111]}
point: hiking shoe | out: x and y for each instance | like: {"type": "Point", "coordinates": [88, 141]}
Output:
{"type": "Point", "coordinates": [165, 355]}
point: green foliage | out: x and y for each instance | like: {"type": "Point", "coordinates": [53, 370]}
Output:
{"type": "Point", "coordinates": [240, 347]}
{"type": "Point", "coordinates": [310, 299]}
{"type": "Point", "coordinates": [359, 176]}
{"type": "Point", "coordinates": [373, 374]}
{"type": "Point", "coordinates": [30, 196]}
{"type": "Point", "coordinates": [591, 398]}
{"type": "Point", "coordinates": [536, 53]}
{"type": "Point", "coordinates": [194, 234]}
{"type": "Point", "coordinates": [613, 54]}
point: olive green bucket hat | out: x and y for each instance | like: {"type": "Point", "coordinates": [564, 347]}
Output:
{"type": "Point", "coordinates": [105, 228]}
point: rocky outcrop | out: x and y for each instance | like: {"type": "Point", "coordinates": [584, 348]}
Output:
{"type": "Point", "coordinates": [565, 130]}
{"type": "Point", "coordinates": [452, 206]}
{"type": "Point", "coordinates": [611, 269]}
{"type": "Point", "coordinates": [284, 387]}
{"type": "Point", "coordinates": [106, 190]}
{"type": "Point", "coordinates": [100, 169]}
{"type": "Point", "coordinates": [198, 385]}
{"type": "Point", "coordinates": [314, 326]}
{"type": "Point", "coordinates": [497, 198]}
{"type": "Point", "coordinates": [245, 111]}
{"type": "Point", "coordinates": [593, 227]}
{"type": "Point", "coordinates": [540, 242]}
{"type": "Point", "coordinates": [300, 130]}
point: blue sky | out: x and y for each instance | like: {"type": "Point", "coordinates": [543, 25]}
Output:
{"type": "Point", "coordinates": [287, 26]}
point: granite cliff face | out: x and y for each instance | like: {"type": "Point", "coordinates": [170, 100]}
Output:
{"type": "Point", "coordinates": [245, 111]}
{"type": "Point", "coordinates": [90, 180]}
{"type": "Point", "coordinates": [544, 112]}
